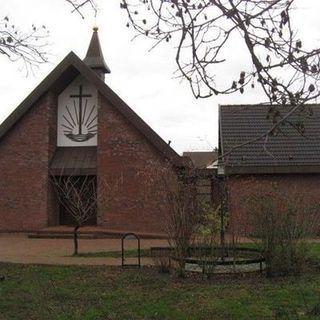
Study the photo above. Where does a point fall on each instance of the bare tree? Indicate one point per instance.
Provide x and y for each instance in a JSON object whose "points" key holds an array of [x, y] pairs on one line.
{"points": [[202, 31], [181, 212], [182, 221], [80, 198], [78, 5], [30, 47]]}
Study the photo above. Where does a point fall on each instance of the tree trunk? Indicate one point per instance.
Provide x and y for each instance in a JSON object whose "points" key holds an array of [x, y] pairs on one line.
{"points": [[75, 240]]}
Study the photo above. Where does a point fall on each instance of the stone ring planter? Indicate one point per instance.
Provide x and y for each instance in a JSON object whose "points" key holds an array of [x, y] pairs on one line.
{"points": [[235, 260]]}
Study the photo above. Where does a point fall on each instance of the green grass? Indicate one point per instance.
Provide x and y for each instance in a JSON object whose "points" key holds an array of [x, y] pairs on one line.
{"points": [[315, 251], [114, 254], [314, 248], [107, 293]]}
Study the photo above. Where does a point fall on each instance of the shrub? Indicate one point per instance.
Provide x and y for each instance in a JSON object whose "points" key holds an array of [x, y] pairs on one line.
{"points": [[183, 220], [281, 221], [161, 259]]}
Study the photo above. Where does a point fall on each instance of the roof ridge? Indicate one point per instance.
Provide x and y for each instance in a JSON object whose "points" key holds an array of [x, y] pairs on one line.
{"points": [[240, 129], [77, 66]]}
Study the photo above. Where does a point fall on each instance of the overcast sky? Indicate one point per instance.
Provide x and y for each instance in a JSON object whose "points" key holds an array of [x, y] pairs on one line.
{"points": [[144, 80]]}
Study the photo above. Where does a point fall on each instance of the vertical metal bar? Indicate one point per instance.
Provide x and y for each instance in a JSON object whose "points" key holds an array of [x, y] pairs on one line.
{"points": [[123, 249]]}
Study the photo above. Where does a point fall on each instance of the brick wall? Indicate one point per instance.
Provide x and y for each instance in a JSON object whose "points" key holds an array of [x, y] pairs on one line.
{"points": [[131, 173], [239, 187], [24, 154], [134, 171]]}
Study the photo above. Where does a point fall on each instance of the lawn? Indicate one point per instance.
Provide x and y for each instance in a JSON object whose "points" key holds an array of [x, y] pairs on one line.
{"points": [[314, 252], [52, 292]]}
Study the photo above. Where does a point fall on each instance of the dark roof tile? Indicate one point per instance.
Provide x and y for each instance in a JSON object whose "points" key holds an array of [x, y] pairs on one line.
{"points": [[94, 57], [68, 69], [80, 160], [240, 124], [201, 159]]}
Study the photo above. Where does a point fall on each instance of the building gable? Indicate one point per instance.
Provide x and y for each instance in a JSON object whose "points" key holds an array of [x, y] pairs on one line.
{"points": [[74, 126], [70, 68]]}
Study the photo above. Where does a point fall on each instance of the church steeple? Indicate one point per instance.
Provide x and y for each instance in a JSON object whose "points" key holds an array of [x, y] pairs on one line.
{"points": [[94, 57]]}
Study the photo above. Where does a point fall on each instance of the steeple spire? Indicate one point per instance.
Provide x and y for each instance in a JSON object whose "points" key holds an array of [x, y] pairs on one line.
{"points": [[94, 57]]}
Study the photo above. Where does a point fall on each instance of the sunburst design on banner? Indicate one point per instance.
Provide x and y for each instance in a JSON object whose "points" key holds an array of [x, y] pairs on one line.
{"points": [[80, 121]]}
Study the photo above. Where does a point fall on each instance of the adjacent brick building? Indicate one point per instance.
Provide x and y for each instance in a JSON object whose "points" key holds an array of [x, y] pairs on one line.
{"points": [[288, 160], [74, 124]]}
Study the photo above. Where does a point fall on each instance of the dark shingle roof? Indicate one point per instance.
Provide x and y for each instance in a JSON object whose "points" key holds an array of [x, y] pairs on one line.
{"points": [[286, 152], [201, 159], [70, 160], [67, 70], [94, 57]]}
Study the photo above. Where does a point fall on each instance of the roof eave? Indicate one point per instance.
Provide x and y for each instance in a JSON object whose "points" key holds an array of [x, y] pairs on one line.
{"points": [[49, 83], [77, 66], [267, 170]]}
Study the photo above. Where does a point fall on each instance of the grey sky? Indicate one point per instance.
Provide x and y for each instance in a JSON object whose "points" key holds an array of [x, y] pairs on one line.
{"points": [[144, 80]]}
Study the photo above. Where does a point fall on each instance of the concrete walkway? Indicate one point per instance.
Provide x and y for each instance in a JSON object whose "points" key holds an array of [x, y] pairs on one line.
{"points": [[18, 248]]}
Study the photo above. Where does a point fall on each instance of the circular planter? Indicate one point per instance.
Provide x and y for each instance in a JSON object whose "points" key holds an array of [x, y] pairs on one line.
{"points": [[208, 260]]}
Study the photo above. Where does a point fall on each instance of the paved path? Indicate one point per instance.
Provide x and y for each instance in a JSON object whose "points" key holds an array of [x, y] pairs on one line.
{"points": [[18, 248]]}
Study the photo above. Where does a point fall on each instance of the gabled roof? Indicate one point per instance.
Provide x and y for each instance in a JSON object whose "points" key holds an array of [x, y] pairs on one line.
{"points": [[286, 152], [201, 159], [67, 70]]}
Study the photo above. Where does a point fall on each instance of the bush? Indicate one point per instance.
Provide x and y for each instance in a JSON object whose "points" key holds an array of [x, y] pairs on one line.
{"points": [[281, 221], [183, 220], [161, 259]]}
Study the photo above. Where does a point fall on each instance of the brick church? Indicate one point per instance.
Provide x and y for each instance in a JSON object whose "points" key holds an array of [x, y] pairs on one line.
{"points": [[73, 124]]}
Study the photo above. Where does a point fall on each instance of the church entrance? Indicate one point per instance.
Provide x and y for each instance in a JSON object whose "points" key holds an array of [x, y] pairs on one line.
{"points": [[77, 198]]}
